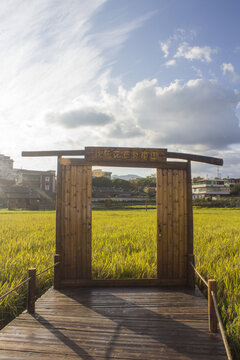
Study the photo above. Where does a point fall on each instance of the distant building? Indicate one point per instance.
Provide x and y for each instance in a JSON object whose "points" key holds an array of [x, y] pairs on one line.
{"points": [[98, 173], [232, 181], [44, 180], [6, 169], [15, 197], [210, 188], [21, 188]]}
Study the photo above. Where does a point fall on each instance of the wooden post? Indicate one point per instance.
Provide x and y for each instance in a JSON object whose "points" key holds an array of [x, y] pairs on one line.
{"points": [[56, 283], [31, 291], [191, 272], [212, 317]]}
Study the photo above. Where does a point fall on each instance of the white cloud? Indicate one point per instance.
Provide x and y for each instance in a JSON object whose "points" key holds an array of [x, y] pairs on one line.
{"points": [[198, 71], [113, 39], [80, 117], [51, 55], [125, 130], [165, 48], [195, 52], [228, 68], [171, 62], [199, 112], [179, 35], [198, 115]]}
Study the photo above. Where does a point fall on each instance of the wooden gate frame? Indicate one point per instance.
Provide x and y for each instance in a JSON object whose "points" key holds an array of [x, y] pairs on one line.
{"points": [[129, 157]]}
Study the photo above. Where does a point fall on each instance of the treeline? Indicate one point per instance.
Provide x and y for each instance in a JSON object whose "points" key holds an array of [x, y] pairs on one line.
{"points": [[139, 184]]}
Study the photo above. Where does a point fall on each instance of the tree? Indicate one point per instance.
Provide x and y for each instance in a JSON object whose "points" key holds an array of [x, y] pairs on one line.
{"points": [[102, 182], [122, 184], [141, 183], [198, 178], [235, 190]]}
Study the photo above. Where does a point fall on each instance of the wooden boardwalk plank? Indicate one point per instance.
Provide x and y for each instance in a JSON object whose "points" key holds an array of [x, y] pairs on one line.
{"points": [[113, 323]]}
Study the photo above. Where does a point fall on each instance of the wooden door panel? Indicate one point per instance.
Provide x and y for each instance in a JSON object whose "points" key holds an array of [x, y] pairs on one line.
{"points": [[172, 237], [74, 200]]}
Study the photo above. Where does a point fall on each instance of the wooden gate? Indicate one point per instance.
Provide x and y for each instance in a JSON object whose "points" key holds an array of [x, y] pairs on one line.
{"points": [[174, 211], [74, 220], [172, 223]]}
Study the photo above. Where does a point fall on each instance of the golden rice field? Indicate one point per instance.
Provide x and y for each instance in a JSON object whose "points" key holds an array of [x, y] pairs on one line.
{"points": [[123, 246]]}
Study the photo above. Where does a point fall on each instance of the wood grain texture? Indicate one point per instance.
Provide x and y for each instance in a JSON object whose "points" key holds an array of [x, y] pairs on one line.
{"points": [[172, 218], [139, 164], [194, 157], [172, 155], [212, 317], [114, 323], [123, 282], [189, 209], [58, 206], [74, 221]]}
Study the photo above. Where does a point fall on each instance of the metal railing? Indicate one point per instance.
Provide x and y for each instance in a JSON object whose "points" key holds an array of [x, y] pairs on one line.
{"points": [[214, 317], [31, 280]]}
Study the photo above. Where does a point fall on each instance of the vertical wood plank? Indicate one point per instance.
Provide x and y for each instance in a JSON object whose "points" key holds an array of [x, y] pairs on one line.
{"points": [[58, 206], [89, 222], [176, 239], [190, 212], [190, 222], [185, 192], [67, 221], [170, 223], [79, 223], [84, 225], [164, 223], [70, 222], [73, 221], [159, 201], [62, 222], [182, 238]]}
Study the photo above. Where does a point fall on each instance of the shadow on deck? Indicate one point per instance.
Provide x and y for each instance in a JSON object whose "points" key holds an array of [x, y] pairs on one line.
{"points": [[114, 323]]}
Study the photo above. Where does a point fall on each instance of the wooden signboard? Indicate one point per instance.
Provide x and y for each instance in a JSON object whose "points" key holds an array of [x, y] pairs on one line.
{"points": [[117, 154]]}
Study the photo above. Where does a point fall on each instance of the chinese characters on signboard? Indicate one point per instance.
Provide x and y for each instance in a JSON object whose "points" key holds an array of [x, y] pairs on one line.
{"points": [[125, 154]]}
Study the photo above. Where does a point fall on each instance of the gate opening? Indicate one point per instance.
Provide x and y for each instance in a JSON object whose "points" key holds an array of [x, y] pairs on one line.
{"points": [[124, 226]]}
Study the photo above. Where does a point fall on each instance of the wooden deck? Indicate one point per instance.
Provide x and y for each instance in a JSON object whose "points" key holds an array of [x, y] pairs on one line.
{"points": [[113, 323]]}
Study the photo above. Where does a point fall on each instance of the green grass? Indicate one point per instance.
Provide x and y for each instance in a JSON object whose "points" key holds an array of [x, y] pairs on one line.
{"points": [[124, 245]]}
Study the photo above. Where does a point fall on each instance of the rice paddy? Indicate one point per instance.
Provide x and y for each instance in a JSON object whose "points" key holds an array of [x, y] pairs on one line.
{"points": [[124, 246]]}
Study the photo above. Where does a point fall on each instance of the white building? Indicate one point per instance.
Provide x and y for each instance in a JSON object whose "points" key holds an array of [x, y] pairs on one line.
{"points": [[210, 188], [6, 168]]}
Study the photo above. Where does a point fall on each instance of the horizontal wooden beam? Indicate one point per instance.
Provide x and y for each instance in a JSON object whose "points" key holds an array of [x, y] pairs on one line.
{"points": [[170, 155], [131, 164], [124, 282], [198, 158], [53, 153]]}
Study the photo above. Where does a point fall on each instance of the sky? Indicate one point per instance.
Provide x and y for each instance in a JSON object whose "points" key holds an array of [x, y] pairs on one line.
{"points": [[138, 73]]}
